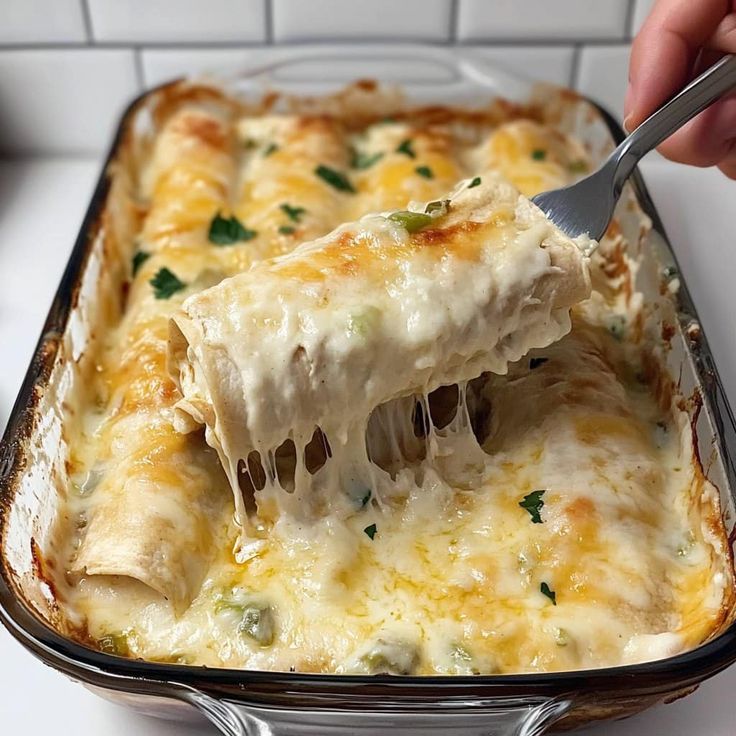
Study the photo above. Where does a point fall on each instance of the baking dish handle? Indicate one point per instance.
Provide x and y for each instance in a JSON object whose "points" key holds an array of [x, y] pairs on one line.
{"points": [[503, 716], [407, 65]]}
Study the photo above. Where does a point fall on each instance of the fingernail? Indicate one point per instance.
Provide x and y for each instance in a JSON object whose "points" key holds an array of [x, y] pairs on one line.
{"points": [[628, 103], [627, 123]]}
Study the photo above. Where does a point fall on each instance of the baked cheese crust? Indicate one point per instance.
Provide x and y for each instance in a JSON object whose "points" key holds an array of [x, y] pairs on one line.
{"points": [[563, 523]]}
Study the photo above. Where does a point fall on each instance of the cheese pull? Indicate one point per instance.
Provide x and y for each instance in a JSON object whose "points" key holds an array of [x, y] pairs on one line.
{"points": [[291, 363]]}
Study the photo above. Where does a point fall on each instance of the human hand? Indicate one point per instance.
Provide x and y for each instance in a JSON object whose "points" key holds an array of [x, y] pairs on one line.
{"points": [[679, 40]]}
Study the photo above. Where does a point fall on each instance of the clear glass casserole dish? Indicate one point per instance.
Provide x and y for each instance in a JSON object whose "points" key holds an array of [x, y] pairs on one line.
{"points": [[240, 702]]}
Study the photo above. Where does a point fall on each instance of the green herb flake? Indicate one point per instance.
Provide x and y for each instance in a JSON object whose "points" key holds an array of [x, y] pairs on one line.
{"points": [[269, 149], [258, 623], [165, 284], [578, 167], [424, 171], [116, 644], [138, 260], [405, 147], [286, 230], [441, 206], [365, 499], [474, 183], [249, 144], [546, 590], [533, 503], [228, 231], [363, 322], [410, 221], [539, 154], [334, 179], [617, 326], [364, 160], [536, 362], [293, 213], [669, 272], [371, 530]]}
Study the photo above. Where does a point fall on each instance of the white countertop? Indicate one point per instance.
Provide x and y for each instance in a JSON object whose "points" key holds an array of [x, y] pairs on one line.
{"points": [[42, 202]]}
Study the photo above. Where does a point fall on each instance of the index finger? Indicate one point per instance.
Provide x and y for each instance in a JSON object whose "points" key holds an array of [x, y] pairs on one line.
{"points": [[665, 50]]}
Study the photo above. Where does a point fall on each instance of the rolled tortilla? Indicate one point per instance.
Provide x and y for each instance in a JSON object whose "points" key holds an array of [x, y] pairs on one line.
{"points": [[161, 501], [155, 518], [369, 313]]}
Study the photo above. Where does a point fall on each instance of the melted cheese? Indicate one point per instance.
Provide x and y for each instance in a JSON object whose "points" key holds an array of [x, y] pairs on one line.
{"points": [[444, 575], [322, 336]]}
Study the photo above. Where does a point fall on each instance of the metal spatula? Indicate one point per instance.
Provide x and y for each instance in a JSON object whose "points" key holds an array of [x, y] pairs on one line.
{"points": [[587, 206]]}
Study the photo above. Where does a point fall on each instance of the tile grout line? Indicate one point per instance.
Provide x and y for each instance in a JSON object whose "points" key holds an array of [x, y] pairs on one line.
{"points": [[575, 66], [268, 17], [139, 71], [87, 20], [629, 27], [535, 41], [454, 17], [213, 45], [131, 44]]}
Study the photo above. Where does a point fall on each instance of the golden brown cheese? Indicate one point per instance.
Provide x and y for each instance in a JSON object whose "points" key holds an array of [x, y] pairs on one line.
{"points": [[400, 164], [447, 578]]}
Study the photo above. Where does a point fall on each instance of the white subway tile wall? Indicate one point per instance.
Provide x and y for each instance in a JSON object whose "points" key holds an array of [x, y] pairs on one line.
{"points": [[603, 75], [41, 21], [509, 20], [63, 100], [177, 21], [68, 67], [325, 20], [642, 9]]}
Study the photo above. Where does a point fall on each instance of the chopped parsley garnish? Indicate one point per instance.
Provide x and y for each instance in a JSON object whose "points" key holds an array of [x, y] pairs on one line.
{"points": [[371, 530], [424, 171], [227, 231], [405, 148], [539, 154], [474, 183], [286, 230], [139, 259], [546, 590], [365, 160], [437, 206], [536, 362], [533, 503], [269, 149], [334, 178], [578, 167], [410, 221], [669, 271], [366, 498], [165, 284], [617, 326], [293, 213]]}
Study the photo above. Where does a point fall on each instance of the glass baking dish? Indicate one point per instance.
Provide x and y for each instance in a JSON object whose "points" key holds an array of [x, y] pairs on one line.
{"points": [[250, 702]]}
